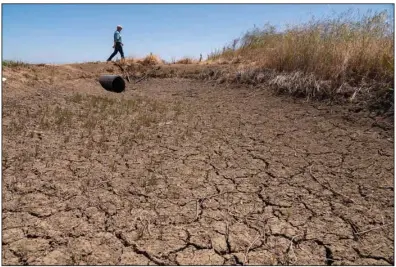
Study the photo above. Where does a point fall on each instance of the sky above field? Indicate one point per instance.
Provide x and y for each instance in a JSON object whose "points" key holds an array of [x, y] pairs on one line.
{"points": [[55, 33]]}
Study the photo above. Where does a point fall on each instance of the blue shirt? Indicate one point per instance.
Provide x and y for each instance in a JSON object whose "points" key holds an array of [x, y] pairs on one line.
{"points": [[117, 37]]}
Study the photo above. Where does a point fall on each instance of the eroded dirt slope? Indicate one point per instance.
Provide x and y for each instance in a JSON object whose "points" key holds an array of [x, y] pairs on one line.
{"points": [[175, 171]]}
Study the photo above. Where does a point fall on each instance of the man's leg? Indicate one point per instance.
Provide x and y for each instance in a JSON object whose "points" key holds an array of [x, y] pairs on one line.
{"points": [[122, 53], [114, 53]]}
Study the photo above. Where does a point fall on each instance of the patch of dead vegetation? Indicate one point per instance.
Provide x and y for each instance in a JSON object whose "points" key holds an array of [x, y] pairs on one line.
{"points": [[185, 60]]}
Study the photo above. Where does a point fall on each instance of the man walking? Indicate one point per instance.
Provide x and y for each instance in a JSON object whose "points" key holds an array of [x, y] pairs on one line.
{"points": [[117, 44]]}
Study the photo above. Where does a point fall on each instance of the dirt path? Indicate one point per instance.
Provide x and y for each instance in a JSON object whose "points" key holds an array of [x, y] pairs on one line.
{"points": [[184, 172]]}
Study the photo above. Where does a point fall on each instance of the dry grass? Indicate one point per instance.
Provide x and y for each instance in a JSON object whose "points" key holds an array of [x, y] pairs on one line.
{"points": [[14, 64], [90, 114], [353, 49], [98, 119], [150, 60], [185, 60]]}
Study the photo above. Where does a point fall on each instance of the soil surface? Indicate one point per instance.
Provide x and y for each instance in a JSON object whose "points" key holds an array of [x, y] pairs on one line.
{"points": [[188, 172]]}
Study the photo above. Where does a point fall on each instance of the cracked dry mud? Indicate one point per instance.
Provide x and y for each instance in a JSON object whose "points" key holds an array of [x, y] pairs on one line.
{"points": [[184, 172]]}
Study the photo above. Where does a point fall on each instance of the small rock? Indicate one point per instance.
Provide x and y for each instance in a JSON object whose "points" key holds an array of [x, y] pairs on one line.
{"points": [[219, 244], [130, 237]]}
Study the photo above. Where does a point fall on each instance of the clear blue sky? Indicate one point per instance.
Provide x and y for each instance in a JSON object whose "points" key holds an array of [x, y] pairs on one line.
{"points": [[65, 33]]}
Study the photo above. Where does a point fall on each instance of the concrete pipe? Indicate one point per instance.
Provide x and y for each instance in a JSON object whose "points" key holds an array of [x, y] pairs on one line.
{"points": [[113, 83]]}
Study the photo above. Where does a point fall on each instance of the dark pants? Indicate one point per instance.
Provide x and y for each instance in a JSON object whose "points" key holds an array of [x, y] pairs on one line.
{"points": [[117, 48]]}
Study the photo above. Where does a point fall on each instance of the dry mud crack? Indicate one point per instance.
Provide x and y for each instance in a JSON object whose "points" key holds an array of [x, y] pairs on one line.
{"points": [[189, 173]]}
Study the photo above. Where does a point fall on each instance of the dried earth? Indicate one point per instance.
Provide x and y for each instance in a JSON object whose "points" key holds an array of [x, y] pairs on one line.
{"points": [[185, 172]]}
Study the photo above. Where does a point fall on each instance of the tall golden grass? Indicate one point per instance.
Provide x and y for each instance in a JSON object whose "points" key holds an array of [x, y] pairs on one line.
{"points": [[151, 60], [148, 60], [348, 48]]}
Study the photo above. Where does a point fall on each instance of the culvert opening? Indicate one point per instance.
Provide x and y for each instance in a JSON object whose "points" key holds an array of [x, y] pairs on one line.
{"points": [[118, 85]]}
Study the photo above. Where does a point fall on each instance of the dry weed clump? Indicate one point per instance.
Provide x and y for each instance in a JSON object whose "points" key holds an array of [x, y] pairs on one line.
{"points": [[347, 50], [150, 60], [300, 85], [185, 60], [222, 61], [130, 60]]}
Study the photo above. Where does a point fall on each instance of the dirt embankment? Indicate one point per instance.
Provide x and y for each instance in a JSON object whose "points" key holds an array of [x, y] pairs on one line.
{"points": [[375, 102]]}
